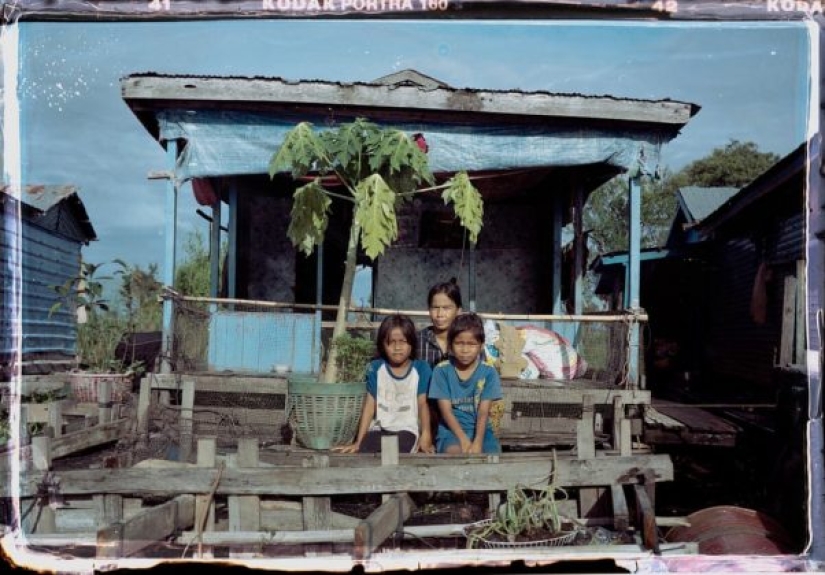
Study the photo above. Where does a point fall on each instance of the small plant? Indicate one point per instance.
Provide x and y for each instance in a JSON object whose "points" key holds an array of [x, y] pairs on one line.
{"points": [[526, 515], [354, 354], [99, 328]]}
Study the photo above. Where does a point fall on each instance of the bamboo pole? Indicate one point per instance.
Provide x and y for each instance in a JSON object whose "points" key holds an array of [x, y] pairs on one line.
{"points": [[641, 317]]}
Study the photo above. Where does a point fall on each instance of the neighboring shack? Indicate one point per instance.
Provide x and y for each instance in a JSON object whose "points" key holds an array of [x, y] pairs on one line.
{"points": [[42, 235], [727, 291]]}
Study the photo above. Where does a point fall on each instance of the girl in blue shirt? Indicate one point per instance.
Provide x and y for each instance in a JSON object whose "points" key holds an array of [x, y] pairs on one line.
{"points": [[396, 401], [465, 387]]}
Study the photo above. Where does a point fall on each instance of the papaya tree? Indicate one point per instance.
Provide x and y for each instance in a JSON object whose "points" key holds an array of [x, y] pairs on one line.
{"points": [[380, 167]]}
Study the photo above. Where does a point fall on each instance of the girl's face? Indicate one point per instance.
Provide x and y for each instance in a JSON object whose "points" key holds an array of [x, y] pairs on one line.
{"points": [[397, 348], [442, 312], [465, 348]]}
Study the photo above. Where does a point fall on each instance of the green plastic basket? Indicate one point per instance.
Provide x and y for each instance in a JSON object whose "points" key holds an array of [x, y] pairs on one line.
{"points": [[323, 415]]}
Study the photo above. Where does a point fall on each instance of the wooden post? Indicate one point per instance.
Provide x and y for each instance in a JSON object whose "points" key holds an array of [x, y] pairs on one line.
{"points": [[622, 440], [383, 522], [586, 449], [800, 349], [204, 506], [144, 399], [245, 510], [494, 497], [621, 515], [56, 418], [317, 510], [646, 519], [42, 461], [104, 402], [187, 405], [389, 455], [109, 509]]}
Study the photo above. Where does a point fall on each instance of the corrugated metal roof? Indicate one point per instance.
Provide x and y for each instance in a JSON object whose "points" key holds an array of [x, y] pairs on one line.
{"points": [[41, 201], [408, 77], [698, 203]]}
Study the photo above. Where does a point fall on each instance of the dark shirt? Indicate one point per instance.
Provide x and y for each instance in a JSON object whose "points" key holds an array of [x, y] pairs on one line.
{"points": [[428, 348]]}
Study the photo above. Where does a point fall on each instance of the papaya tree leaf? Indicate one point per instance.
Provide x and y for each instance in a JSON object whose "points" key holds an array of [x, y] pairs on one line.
{"points": [[309, 217], [301, 151], [467, 203], [375, 214]]}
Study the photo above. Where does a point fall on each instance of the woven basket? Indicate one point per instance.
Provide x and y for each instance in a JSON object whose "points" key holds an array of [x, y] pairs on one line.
{"points": [[84, 386], [563, 538], [323, 415]]}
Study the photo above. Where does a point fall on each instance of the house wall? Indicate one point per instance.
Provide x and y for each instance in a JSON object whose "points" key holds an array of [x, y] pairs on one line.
{"points": [[737, 348], [513, 261], [39, 259]]}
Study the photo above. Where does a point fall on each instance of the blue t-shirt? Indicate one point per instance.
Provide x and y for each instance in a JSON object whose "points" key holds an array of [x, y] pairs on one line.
{"points": [[396, 398], [465, 396]]}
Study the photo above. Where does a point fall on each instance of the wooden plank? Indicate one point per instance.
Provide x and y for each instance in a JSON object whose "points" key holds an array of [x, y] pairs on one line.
{"points": [[381, 523], [86, 438], [788, 322], [621, 515], [317, 510], [104, 405], [187, 403], [389, 455], [516, 105], [800, 339], [695, 418], [204, 502], [308, 482], [144, 399], [646, 519], [586, 449], [248, 506], [43, 513], [153, 524]]}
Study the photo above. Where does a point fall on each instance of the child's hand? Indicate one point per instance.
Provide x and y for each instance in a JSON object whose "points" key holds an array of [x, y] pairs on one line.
{"points": [[425, 444], [475, 447], [466, 445], [351, 448]]}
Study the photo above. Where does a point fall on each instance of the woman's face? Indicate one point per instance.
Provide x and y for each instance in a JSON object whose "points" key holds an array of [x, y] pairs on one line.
{"points": [[442, 312]]}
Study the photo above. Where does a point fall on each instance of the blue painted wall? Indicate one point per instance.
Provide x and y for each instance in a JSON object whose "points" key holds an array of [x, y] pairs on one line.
{"points": [[42, 259], [255, 342]]}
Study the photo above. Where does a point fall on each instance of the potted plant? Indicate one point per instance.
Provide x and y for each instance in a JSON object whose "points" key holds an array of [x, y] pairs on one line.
{"points": [[379, 167], [527, 518], [98, 332]]}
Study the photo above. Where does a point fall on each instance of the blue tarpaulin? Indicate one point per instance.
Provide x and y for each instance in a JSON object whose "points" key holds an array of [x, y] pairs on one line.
{"points": [[219, 143]]}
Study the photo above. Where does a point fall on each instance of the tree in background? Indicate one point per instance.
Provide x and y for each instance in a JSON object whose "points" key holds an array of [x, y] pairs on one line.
{"points": [[733, 165], [139, 293], [192, 276]]}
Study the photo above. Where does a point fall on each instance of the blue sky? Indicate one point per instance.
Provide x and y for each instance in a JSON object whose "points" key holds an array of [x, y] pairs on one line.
{"points": [[751, 81]]}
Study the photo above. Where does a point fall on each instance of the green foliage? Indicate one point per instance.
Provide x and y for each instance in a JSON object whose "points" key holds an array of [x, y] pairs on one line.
{"points": [[353, 357], [310, 216], [84, 291], [526, 514], [606, 214], [379, 167], [733, 165], [140, 292], [192, 276]]}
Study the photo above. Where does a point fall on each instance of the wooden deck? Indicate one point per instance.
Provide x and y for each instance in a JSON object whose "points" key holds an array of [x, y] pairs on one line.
{"points": [[671, 423]]}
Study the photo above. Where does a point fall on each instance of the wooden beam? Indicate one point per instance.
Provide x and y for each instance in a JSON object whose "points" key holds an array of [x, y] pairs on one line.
{"points": [[382, 523], [301, 482], [621, 515], [788, 322], [125, 538], [91, 437], [646, 519], [245, 510], [533, 107]]}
